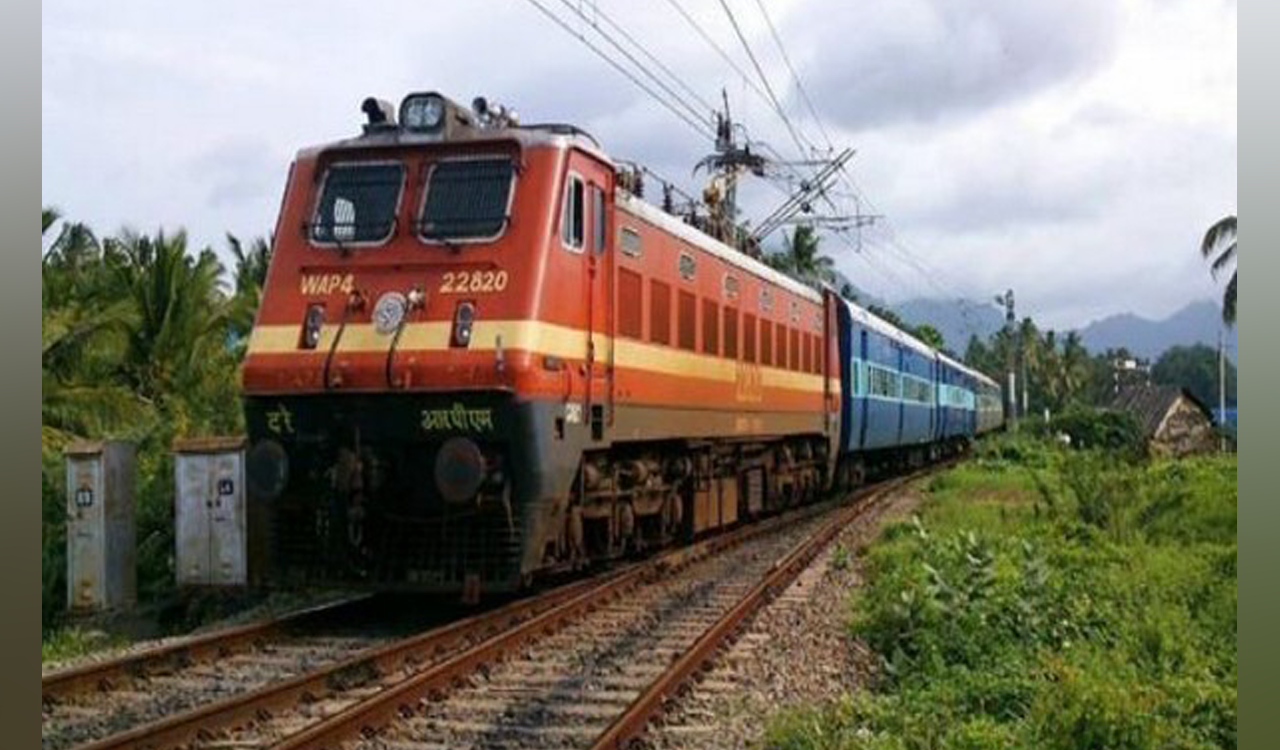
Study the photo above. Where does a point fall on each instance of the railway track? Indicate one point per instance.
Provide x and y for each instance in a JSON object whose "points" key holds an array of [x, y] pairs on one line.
{"points": [[588, 664]]}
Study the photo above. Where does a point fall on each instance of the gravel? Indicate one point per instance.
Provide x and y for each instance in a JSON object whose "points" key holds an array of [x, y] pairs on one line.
{"points": [[798, 651]]}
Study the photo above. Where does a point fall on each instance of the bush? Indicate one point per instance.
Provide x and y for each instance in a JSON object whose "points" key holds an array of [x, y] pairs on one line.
{"points": [[1101, 430], [1086, 602]]}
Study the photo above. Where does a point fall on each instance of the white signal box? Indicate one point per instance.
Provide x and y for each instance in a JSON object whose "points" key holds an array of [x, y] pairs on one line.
{"points": [[209, 511], [101, 556]]}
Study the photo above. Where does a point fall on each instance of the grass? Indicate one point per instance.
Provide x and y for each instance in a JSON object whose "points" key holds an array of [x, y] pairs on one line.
{"points": [[71, 642], [1052, 599]]}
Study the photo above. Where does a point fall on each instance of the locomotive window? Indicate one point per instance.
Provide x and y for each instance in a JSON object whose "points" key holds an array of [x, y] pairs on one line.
{"points": [[598, 218], [572, 230], [782, 346], [357, 203], [749, 337], [795, 350], [630, 242], [806, 348], [467, 199], [766, 342]]}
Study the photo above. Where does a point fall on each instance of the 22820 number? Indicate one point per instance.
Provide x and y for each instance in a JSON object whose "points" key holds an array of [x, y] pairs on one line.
{"points": [[473, 282]]}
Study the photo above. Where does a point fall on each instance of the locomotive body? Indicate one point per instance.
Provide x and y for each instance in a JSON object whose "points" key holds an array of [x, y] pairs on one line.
{"points": [[478, 360], [482, 358]]}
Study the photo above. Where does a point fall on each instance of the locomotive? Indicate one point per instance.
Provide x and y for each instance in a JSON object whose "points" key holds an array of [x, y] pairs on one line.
{"points": [[482, 358]]}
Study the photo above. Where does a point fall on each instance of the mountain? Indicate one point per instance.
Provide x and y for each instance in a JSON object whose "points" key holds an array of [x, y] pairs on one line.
{"points": [[1197, 323], [955, 319]]}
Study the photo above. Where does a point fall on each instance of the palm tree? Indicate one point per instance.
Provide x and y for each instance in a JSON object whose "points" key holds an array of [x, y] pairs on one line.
{"points": [[1220, 244], [803, 258]]}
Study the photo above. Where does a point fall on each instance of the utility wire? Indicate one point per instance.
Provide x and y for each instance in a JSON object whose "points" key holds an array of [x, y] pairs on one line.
{"points": [[706, 105], [777, 40], [773, 98], [700, 129], [703, 116]]}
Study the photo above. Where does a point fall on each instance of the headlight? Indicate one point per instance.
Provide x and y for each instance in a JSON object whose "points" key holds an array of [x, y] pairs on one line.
{"points": [[388, 313], [311, 325], [422, 112], [463, 317]]}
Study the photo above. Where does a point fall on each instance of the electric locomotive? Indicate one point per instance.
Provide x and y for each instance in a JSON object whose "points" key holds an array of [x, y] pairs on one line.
{"points": [[482, 358]]}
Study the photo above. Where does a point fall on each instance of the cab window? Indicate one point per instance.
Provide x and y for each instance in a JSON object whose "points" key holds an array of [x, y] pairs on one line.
{"points": [[467, 199], [572, 221], [358, 203]]}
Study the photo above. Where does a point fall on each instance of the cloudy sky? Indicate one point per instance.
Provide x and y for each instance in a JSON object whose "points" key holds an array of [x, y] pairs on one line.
{"points": [[1074, 150]]}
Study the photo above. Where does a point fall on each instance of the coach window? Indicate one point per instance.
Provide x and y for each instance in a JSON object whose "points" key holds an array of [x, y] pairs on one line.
{"points": [[598, 219], [358, 204], [572, 231]]}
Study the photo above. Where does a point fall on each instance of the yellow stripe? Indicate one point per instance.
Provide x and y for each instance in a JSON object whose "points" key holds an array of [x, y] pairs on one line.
{"points": [[546, 339]]}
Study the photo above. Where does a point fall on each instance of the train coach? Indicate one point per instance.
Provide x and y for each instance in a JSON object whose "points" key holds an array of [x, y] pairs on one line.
{"points": [[482, 358]]}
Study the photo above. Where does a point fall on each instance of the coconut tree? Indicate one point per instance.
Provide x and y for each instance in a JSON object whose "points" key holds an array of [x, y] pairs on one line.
{"points": [[1219, 246], [802, 258]]}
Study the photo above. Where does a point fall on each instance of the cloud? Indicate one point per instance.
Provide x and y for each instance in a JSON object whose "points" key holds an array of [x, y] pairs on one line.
{"points": [[923, 61], [1072, 150]]}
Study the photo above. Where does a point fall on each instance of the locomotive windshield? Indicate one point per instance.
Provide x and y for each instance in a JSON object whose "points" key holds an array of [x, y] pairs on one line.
{"points": [[358, 203], [467, 199]]}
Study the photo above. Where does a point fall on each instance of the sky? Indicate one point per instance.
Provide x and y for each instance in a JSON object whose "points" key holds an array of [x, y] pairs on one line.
{"points": [[1072, 150]]}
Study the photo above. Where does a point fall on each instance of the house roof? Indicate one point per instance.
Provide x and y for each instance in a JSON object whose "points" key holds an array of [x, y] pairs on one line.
{"points": [[1149, 404]]}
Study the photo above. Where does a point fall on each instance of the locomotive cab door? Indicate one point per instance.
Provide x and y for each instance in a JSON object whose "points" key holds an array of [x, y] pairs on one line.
{"points": [[589, 204]]}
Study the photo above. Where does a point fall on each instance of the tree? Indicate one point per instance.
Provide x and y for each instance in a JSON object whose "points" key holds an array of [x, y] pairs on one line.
{"points": [[930, 336], [1219, 243], [1196, 369], [800, 257]]}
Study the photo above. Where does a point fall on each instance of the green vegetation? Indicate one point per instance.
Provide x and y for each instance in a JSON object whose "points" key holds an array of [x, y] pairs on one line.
{"points": [[141, 339], [1219, 243], [1196, 369], [1048, 598]]}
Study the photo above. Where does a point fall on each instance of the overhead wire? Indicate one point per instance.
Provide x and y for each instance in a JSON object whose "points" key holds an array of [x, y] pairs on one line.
{"points": [[755, 63], [701, 129], [804, 94], [708, 109]]}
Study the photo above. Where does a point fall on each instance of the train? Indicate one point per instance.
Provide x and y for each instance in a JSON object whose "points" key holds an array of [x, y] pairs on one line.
{"points": [[482, 359]]}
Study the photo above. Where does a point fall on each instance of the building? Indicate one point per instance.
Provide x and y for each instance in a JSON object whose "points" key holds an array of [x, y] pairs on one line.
{"points": [[1173, 421]]}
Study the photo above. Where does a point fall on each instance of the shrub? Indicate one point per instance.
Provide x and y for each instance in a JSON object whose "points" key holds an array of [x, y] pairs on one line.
{"points": [[1106, 430], [1087, 603]]}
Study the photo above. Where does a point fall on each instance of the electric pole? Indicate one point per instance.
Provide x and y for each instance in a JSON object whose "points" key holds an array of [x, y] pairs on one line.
{"points": [[1222, 392], [1011, 396]]}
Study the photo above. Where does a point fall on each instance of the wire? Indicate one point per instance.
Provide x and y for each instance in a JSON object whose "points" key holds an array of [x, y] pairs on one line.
{"points": [[653, 58], [777, 39], [702, 117], [699, 129], [746, 80], [773, 98]]}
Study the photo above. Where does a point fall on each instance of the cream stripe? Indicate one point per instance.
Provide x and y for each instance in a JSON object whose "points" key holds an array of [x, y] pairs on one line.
{"points": [[537, 337]]}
